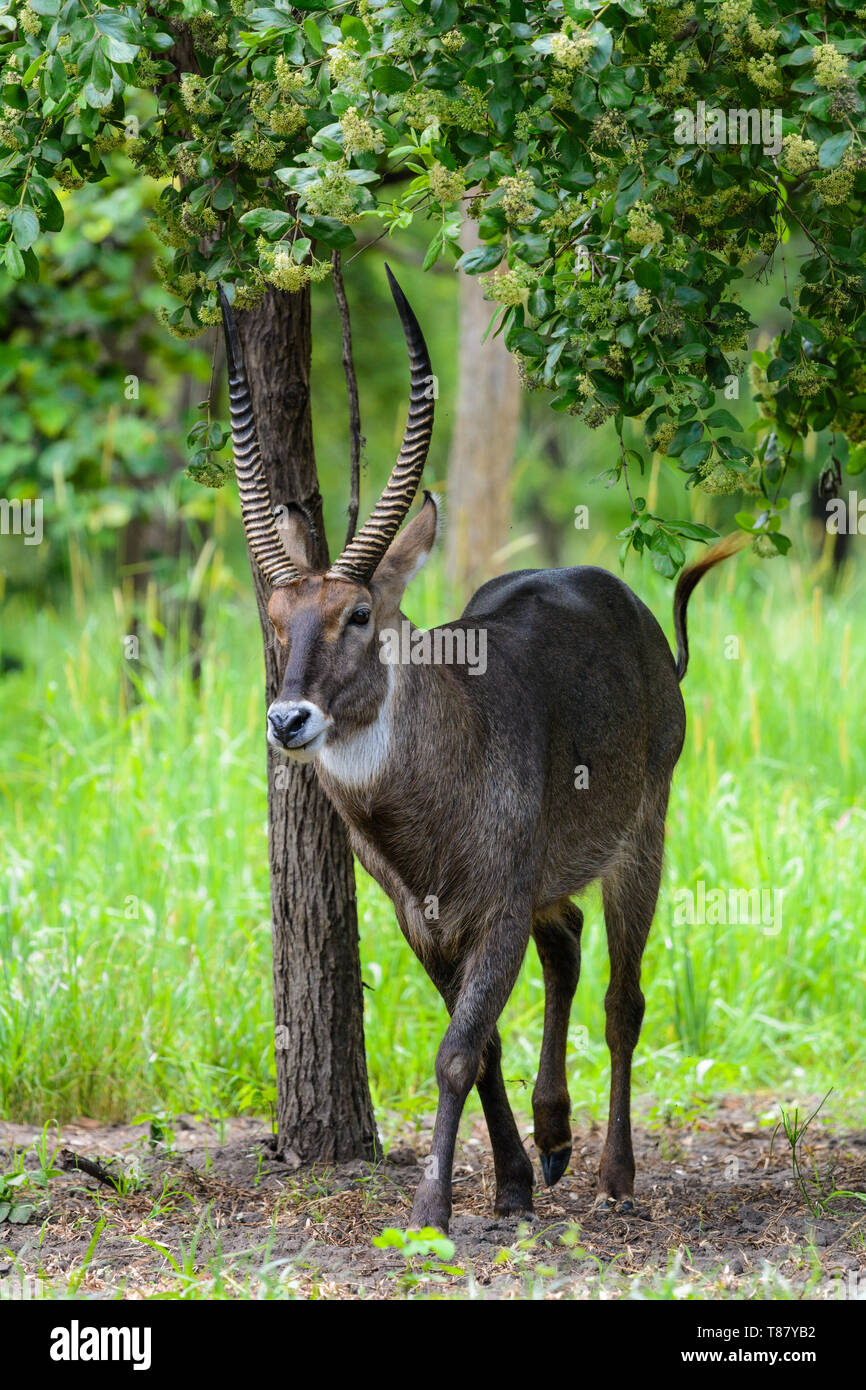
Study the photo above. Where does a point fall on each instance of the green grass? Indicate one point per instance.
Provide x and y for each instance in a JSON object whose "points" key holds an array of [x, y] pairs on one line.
{"points": [[134, 933]]}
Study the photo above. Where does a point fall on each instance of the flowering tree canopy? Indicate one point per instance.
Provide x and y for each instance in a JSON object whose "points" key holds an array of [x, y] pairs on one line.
{"points": [[631, 166]]}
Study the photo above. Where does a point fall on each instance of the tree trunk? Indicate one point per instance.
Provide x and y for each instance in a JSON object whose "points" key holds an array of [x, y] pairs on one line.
{"points": [[484, 439], [324, 1111]]}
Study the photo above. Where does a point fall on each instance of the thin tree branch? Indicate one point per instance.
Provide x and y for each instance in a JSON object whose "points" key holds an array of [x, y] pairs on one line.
{"points": [[73, 1162], [625, 474], [355, 438]]}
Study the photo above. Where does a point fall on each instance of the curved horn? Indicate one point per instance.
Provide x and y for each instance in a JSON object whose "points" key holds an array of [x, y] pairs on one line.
{"points": [[256, 510], [362, 555]]}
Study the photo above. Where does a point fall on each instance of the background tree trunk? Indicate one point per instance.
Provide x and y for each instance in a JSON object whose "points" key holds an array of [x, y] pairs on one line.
{"points": [[484, 439], [324, 1111]]}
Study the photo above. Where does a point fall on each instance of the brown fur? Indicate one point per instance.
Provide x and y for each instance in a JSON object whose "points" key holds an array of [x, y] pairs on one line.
{"points": [[472, 809], [691, 575]]}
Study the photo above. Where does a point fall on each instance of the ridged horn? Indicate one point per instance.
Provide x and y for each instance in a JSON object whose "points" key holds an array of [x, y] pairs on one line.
{"points": [[258, 516], [362, 555]]}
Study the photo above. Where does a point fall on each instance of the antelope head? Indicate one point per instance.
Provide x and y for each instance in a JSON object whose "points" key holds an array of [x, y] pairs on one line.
{"points": [[335, 685]]}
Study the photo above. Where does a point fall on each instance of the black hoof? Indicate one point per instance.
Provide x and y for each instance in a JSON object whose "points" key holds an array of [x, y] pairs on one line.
{"points": [[554, 1165], [605, 1203]]}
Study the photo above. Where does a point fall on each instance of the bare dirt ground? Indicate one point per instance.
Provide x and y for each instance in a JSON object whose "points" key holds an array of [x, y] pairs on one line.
{"points": [[720, 1213]]}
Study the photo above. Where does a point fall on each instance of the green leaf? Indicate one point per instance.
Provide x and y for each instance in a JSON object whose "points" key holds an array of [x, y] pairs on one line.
{"points": [[501, 107], [55, 77], [270, 221], [49, 205], [689, 352], [328, 230], [777, 369], [663, 562], [97, 97], [25, 227], [445, 14], [600, 56], [692, 530], [531, 248], [120, 52], [648, 275], [115, 25], [224, 195], [433, 252], [684, 436], [832, 150], [100, 70], [695, 455], [627, 197], [688, 295], [723, 420], [616, 92], [609, 389], [391, 1238], [632, 456], [798, 58], [298, 178], [314, 37], [856, 460], [524, 340], [541, 304], [386, 78], [480, 259], [34, 68], [354, 28]]}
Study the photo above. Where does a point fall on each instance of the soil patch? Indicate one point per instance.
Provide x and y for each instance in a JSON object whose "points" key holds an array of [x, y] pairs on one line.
{"points": [[215, 1213]]}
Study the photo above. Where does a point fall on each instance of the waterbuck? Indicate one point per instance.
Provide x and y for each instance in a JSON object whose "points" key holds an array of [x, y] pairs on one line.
{"points": [[481, 802]]}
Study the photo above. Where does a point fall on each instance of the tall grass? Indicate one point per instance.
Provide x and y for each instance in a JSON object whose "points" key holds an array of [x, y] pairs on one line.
{"points": [[134, 933]]}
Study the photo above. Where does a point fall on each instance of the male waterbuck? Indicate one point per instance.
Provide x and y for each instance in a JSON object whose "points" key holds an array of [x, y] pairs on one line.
{"points": [[481, 802]]}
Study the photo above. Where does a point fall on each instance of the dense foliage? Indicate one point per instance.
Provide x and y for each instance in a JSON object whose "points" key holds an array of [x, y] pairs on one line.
{"points": [[627, 164], [91, 385]]}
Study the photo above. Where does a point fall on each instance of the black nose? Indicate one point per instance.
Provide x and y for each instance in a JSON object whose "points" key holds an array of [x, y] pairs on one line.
{"points": [[287, 726]]}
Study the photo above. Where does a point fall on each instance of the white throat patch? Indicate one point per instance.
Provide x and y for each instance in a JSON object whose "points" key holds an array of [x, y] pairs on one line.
{"points": [[359, 760]]}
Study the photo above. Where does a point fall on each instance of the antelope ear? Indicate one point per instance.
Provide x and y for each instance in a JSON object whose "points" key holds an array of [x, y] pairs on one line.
{"points": [[297, 534], [408, 552]]}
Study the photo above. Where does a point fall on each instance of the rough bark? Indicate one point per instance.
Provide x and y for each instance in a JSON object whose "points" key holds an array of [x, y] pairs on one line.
{"points": [[484, 440], [324, 1111]]}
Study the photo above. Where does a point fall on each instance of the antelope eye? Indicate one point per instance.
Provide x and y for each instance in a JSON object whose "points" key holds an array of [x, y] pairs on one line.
{"points": [[360, 617]]}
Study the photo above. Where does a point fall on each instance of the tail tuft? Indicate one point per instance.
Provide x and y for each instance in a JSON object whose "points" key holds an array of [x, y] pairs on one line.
{"points": [[692, 575]]}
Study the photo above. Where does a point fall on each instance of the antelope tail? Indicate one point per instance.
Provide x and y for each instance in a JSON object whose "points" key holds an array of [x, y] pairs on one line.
{"points": [[692, 575]]}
